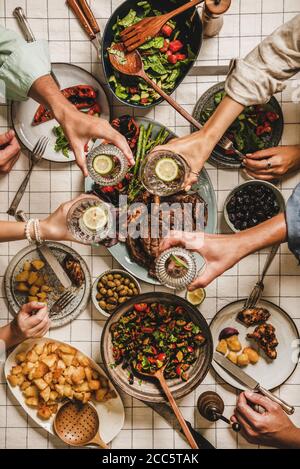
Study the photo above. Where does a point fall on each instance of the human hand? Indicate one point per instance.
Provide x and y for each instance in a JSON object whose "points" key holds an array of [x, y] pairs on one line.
{"points": [[273, 163], [220, 252], [9, 151], [271, 428], [195, 149], [31, 321], [54, 227], [80, 128]]}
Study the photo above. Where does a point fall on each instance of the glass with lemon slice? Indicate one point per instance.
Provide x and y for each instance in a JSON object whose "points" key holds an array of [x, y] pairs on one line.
{"points": [[107, 165], [164, 173], [90, 220]]}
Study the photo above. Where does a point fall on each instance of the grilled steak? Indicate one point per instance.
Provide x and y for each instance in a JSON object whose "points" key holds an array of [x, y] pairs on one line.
{"points": [[253, 316], [144, 250], [264, 336]]}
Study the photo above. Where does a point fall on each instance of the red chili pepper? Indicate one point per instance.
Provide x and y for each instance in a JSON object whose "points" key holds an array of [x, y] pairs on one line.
{"points": [[179, 309], [175, 46], [147, 330], [272, 116], [161, 357], [140, 307], [166, 30]]}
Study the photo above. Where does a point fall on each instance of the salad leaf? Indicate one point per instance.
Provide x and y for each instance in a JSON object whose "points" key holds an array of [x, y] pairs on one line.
{"points": [[155, 43], [118, 53], [121, 91], [155, 64], [61, 144], [129, 19]]}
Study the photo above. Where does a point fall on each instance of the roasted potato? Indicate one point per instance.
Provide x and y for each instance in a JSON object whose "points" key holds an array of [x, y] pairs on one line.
{"points": [[37, 264]]}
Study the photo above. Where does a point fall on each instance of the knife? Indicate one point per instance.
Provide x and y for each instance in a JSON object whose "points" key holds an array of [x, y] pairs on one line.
{"points": [[86, 18], [208, 70], [49, 257], [245, 379], [27, 31], [166, 412]]}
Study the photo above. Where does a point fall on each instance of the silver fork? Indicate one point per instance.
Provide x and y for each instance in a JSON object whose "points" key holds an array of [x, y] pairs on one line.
{"points": [[35, 156], [62, 302], [258, 289]]}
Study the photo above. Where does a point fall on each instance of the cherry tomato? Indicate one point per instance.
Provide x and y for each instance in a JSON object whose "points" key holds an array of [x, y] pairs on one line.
{"points": [[161, 357], [165, 46], [172, 59], [178, 370], [166, 30], [175, 46], [140, 307]]}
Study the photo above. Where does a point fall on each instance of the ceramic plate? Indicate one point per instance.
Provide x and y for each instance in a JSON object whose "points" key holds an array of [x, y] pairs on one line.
{"points": [[149, 390], [22, 112], [81, 295], [218, 157], [111, 413], [269, 373], [205, 189]]}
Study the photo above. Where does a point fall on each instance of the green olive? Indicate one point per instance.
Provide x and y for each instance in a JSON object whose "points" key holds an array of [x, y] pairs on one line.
{"points": [[104, 280], [112, 301], [98, 296], [120, 288], [103, 291], [110, 277], [102, 304], [130, 292], [110, 307], [126, 281], [132, 285], [122, 299], [117, 276], [111, 284], [117, 283], [110, 293], [135, 291]]}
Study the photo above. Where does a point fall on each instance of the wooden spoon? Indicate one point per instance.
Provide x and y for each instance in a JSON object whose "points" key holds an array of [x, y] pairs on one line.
{"points": [[159, 375], [78, 425], [131, 64], [139, 33]]}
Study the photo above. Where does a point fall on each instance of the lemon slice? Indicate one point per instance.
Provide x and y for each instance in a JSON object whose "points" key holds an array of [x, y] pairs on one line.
{"points": [[166, 169], [103, 164], [95, 218], [196, 297]]}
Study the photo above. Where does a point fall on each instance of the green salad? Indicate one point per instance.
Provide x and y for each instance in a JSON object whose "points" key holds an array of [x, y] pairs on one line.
{"points": [[165, 58]]}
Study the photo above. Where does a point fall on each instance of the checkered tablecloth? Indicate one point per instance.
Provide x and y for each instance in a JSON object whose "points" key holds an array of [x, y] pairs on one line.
{"points": [[246, 23]]}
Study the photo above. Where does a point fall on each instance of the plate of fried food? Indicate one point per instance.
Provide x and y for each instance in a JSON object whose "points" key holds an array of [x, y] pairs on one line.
{"points": [[28, 278], [263, 341], [43, 373]]}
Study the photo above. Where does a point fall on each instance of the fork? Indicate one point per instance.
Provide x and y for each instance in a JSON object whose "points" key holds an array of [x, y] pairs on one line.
{"points": [[35, 156], [137, 34], [258, 289], [62, 302]]}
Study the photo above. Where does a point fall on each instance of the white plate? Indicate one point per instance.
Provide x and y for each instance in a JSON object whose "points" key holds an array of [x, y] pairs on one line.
{"points": [[22, 112], [269, 373], [111, 413]]}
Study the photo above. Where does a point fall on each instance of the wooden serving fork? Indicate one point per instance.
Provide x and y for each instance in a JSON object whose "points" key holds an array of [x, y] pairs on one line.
{"points": [[141, 32]]}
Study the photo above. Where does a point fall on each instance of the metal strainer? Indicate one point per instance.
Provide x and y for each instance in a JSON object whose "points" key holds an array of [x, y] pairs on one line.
{"points": [[78, 425]]}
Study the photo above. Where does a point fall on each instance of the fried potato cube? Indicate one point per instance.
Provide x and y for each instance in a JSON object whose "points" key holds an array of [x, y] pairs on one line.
{"points": [[83, 360], [88, 373], [34, 290], [27, 266], [48, 377], [20, 357], [232, 356], [83, 387], [86, 397], [68, 391], [52, 347], [94, 384], [67, 349], [22, 276], [53, 408], [100, 394], [233, 343], [38, 264], [53, 395], [32, 298], [25, 385], [16, 370], [40, 370], [22, 287], [222, 347], [50, 360], [61, 380], [79, 396], [32, 278], [61, 365], [27, 367], [78, 375], [39, 282], [31, 391], [32, 401], [57, 374], [67, 359], [32, 356], [42, 296], [45, 394], [40, 384], [46, 288], [21, 379], [38, 348], [44, 412], [13, 380]]}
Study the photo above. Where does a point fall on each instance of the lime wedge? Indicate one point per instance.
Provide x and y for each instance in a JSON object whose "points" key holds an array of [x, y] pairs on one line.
{"points": [[166, 169], [179, 262], [103, 164], [196, 297], [95, 218]]}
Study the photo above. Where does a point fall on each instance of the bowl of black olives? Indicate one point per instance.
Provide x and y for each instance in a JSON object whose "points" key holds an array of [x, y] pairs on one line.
{"points": [[252, 203]]}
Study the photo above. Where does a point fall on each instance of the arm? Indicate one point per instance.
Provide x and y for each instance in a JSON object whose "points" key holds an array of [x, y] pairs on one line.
{"points": [[271, 428], [221, 252]]}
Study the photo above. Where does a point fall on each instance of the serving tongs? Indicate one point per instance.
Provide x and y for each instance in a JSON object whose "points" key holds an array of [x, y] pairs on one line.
{"points": [[86, 18]]}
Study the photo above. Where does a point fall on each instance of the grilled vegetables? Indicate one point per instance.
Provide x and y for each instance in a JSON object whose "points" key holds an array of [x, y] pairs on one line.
{"points": [[264, 336], [74, 270], [252, 316]]}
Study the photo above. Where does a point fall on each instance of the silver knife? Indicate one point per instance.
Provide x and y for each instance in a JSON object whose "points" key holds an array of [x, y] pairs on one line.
{"points": [[208, 70], [49, 257], [166, 413], [248, 381], [27, 31]]}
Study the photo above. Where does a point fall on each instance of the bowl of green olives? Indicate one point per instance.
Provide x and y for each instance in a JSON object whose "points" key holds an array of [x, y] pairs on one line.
{"points": [[113, 288]]}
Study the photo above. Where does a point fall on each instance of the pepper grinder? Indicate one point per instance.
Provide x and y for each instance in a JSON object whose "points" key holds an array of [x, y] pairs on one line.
{"points": [[211, 407], [212, 16]]}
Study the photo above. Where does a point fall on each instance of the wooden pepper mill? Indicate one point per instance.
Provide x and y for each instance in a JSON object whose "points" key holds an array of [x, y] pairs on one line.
{"points": [[211, 407], [212, 16]]}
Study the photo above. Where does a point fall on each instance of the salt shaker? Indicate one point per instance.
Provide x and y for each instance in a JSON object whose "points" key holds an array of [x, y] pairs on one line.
{"points": [[212, 16]]}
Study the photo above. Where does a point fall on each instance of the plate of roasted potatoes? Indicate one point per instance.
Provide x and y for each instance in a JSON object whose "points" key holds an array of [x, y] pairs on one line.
{"points": [[44, 373], [28, 278]]}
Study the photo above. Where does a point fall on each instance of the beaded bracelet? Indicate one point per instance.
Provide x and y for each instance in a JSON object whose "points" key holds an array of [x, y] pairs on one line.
{"points": [[27, 230], [37, 231]]}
